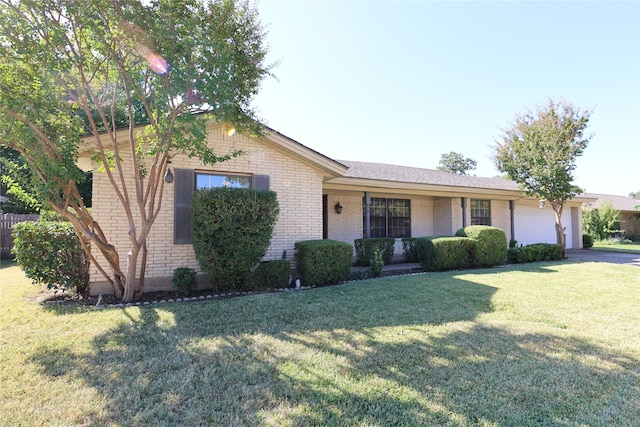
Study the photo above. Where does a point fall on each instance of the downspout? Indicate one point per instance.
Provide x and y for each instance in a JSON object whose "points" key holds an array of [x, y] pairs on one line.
{"points": [[367, 216], [512, 211], [464, 212]]}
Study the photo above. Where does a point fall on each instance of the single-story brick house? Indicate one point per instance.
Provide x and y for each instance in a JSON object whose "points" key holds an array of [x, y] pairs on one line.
{"points": [[324, 198], [629, 215]]}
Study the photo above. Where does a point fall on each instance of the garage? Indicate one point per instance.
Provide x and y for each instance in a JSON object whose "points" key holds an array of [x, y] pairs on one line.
{"points": [[536, 225]]}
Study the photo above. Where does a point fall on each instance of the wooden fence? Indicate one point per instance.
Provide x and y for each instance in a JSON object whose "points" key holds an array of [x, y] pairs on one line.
{"points": [[7, 221]]}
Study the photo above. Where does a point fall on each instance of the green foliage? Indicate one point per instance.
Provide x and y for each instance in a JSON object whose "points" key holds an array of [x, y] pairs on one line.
{"points": [[53, 216], [587, 241], [534, 253], [456, 163], [184, 280], [23, 188], [232, 229], [440, 253], [635, 195], [321, 262], [539, 152], [425, 251], [96, 66], [491, 244], [365, 249], [513, 243], [377, 263], [50, 253], [452, 253], [602, 222], [411, 248], [272, 274]]}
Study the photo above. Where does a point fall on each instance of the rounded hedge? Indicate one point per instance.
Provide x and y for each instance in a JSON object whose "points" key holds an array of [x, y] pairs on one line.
{"points": [[490, 242]]}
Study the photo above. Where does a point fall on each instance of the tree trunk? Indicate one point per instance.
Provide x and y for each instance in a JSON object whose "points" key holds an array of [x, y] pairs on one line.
{"points": [[560, 236], [130, 284]]}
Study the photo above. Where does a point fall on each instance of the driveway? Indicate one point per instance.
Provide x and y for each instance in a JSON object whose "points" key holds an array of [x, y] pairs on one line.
{"points": [[600, 256]]}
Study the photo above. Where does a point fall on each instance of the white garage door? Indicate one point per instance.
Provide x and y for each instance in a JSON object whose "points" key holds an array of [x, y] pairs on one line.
{"points": [[535, 225]]}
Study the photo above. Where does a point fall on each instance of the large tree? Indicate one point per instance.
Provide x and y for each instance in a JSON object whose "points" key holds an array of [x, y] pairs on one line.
{"points": [[539, 152], [456, 163], [80, 70]]}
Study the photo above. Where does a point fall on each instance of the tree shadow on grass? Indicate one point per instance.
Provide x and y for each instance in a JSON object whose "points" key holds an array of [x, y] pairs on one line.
{"points": [[405, 351]]}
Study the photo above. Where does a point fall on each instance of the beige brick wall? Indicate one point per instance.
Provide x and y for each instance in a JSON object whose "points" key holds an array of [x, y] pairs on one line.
{"points": [[347, 226], [447, 214], [630, 223], [501, 216], [297, 184]]}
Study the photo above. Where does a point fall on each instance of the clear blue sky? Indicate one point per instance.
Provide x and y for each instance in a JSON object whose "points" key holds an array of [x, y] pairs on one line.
{"points": [[404, 82]]}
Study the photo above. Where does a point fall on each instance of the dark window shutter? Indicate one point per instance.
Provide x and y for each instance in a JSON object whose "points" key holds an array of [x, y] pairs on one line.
{"points": [[184, 185], [260, 182]]}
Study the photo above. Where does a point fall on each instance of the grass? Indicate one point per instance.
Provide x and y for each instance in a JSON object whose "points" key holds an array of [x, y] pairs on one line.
{"points": [[539, 344], [607, 246]]}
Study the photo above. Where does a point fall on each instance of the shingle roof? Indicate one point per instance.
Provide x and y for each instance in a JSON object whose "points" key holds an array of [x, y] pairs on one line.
{"points": [[395, 173], [620, 203]]}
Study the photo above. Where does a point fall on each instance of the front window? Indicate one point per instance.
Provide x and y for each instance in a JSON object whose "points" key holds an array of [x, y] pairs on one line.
{"points": [[205, 180], [390, 217], [480, 212]]}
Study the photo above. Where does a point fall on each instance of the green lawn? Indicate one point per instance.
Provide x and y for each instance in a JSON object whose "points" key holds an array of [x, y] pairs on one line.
{"points": [[626, 248], [539, 344]]}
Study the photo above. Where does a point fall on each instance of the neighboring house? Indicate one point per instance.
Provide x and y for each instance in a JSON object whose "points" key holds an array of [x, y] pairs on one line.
{"points": [[629, 215], [324, 198]]}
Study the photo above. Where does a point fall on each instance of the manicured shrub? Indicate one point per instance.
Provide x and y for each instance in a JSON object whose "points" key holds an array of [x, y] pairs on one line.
{"points": [[535, 253], [410, 250], [452, 253], [425, 251], [365, 247], [272, 274], [587, 241], [185, 280], [321, 262], [491, 244], [232, 229], [51, 253], [377, 263]]}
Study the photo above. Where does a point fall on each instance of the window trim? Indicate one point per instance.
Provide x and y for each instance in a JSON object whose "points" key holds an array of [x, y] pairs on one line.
{"points": [[477, 219], [388, 210]]}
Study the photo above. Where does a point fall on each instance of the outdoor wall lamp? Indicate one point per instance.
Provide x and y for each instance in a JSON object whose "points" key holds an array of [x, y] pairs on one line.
{"points": [[168, 176], [338, 208], [541, 204]]}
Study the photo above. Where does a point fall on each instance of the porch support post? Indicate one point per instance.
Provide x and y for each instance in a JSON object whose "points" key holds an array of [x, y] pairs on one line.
{"points": [[512, 211], [367, 214], [464, 211]]}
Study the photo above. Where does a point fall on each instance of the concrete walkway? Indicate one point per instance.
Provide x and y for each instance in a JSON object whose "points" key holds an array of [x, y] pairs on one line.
{"points": [[601, 256]]}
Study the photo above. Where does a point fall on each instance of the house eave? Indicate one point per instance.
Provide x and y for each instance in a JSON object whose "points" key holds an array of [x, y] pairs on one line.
{"points": [[422, 189]]}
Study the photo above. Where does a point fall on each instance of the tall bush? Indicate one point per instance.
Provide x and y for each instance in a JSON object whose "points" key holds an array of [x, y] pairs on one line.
{"points": [[490, 242], [51, 253], [602, 222], [365, 249], [232, 229], [321, 262]]}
